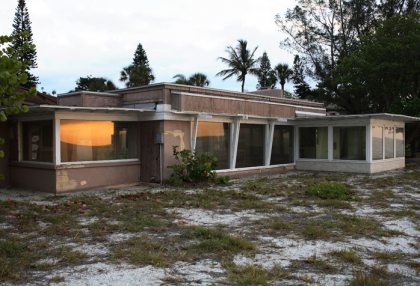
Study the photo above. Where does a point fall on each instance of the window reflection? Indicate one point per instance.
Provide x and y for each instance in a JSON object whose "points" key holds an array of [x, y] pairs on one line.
{"points": [[250, 146], [399, 134], [313, 142], [213, 138], [282, 150], [349, 143], [97, 140], [377, 143]]}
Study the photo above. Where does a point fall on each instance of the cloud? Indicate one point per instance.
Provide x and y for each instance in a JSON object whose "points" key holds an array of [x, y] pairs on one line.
{"points": [[78, 38]]}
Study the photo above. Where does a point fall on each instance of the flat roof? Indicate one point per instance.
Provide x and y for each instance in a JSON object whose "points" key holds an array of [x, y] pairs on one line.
{"points": [[90, 109], [384, 116]]}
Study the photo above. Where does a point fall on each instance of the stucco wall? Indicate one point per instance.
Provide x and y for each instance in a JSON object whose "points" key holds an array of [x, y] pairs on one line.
{"points": [[78, 177], [176, 133], [350, 167], [38, 177], [149, 150]]}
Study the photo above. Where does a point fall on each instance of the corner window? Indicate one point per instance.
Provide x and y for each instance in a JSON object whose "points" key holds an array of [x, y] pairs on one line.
{"points": [[213, 138], [399, 142], [313, 142], [37, 137], [98, 140], [349, 143]]}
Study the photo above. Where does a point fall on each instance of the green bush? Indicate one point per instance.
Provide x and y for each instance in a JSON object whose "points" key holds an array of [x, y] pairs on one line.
{"points": [[331, 191], [192, 168]]}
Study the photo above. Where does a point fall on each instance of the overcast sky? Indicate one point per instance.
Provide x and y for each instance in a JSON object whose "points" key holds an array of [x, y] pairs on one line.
{"points": [[98, 37]]}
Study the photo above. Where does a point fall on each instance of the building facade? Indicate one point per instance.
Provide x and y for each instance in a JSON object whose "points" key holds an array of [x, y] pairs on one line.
{"points": [[93, 139]]}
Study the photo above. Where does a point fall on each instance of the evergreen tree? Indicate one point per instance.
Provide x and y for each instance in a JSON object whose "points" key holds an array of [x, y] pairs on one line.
{"points": [[302, 89], [21, 23], [94, 84], [266, 76], [140, 57]]}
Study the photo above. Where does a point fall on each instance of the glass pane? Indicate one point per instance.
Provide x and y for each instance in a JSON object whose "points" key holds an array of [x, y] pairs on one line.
{"points": [[377, 147], [389, 142], [282, 150], [97, 140], [213, 138], [399, 134], [250, 146], [313, 142], [349, 143], [37, 141]]}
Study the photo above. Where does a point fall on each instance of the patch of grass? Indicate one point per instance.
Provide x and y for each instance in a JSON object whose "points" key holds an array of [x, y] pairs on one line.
{"points": [[54, 198], [365, 279], [415, 265], [217, 241], [380, 183], [354, 225], [385, 255], [338, 204], [17, 256], [71, 256], [145, 250], [404, 213], [347, 255], [57, 279], [318, 230], [332, 190], [276, 223], [380, 195], [254, 274], [139, 221], [320, 263], [257, 205], [382, 272], [280, 209]]}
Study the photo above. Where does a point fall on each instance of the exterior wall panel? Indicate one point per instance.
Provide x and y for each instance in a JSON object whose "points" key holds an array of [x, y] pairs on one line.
{"points": [[149, 151], [93, 100]]}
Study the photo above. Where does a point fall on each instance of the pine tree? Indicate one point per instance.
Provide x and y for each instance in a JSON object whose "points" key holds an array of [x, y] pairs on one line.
{"points": [[140, 57], [302, 89], [266, 76], [21, 23]]}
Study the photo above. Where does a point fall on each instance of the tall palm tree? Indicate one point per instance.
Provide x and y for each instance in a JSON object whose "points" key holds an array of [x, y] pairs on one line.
{"points": [[197, 79], [241, 61], [137, 75], [283, 73]]}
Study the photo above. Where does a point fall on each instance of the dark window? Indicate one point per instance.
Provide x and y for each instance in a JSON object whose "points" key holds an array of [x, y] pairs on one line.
{"points": [[38, 140], [282, 150]]}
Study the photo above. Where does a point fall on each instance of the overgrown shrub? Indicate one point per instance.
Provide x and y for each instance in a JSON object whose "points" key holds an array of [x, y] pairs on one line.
{"points": [[194, 168], [325, 191]]}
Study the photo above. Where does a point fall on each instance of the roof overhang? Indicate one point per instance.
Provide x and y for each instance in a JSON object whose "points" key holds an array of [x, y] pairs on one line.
{"points": [[237, 116], [383, 116], [91, 109]]}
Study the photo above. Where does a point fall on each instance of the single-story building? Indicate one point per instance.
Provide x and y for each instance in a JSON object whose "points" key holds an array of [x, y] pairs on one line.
{"points": [[92, 139]]}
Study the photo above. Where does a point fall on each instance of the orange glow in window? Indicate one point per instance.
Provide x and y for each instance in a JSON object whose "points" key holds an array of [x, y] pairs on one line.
{"points": [[86, 133]]}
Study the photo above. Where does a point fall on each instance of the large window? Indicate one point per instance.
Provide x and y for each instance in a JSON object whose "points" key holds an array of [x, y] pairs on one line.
{"points": [[250, 146], [37, 137], [98, 140], [389, 142], [213, 138], [282, 150], [399, 136], [349, 143], [377, 143], [313, 142]]}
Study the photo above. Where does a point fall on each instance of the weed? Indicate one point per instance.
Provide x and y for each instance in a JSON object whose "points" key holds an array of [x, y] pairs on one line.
{"points": [[353, 225], [317, 230], [217, 241], [331, 191], [71, 256], [57, 279], [404, 213], [338, 204], [276, 223], [364, 279], [385, 255], [319, 263], [254, 275], [347, 255]]}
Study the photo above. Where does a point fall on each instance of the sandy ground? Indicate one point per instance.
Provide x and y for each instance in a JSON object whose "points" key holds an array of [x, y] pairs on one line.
{"points": [[286, 249]]}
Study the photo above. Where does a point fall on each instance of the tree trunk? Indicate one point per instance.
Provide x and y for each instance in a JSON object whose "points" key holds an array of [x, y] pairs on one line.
{"points": [[243, 84], [282, 91]]}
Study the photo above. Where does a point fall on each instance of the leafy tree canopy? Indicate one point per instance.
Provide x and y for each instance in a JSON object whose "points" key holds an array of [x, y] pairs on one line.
{"points": [[196, 79], [240, 61], [137, 75], [266, 76], [21, 24], [12, 75], [140, 57], [94, 84]]}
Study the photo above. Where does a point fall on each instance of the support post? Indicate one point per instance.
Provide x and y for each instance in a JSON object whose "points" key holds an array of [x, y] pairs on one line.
{"points": [[234, 145], [57, 144], [330, 143], [194, 137], [269, 143]]}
